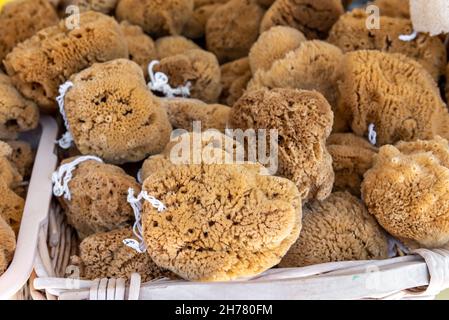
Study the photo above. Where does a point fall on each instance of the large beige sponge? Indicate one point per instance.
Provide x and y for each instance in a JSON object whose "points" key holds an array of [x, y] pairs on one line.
{"points": [[104, 255], [392, 92], [156, 17], [337, 229], [17, 114], [407, 191], [314, 18], [173, 45], [113, 115], [272, 45], [314, 65], [233, 28], [98, 201], [349, 33], [221, 222], [303, 120], [21, 19], [39, 65]]}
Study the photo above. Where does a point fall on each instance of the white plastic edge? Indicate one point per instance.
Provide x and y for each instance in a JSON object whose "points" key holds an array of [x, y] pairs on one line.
{"points": [[35, 213]]}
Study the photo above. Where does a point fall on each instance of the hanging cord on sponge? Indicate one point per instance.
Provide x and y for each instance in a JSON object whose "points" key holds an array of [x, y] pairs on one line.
{"points": [[159, 82], [66, 140], [136, 205], [64, 174]]}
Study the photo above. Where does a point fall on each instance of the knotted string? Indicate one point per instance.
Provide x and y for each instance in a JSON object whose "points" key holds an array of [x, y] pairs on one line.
{"points": [[66, 140], [159, 82], [372, 134], [64, 174], [136, 205]]}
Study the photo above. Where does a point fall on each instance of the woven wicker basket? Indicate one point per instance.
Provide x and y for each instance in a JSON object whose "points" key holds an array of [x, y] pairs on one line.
{"points": [[420, 275]]}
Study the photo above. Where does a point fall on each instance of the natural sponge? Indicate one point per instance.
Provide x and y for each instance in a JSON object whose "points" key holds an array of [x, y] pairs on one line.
{"points": [[235, 76], [8, 172], [98, 197], [407, 192], [22, 157], [173, 45], [21, 19], [113, 115], [17, 114], [392, 92], [263, 53], [141, 47], [196, 27], [304, 121], [156, 17], [42, 63], [314, 65], [183, 112], [350, 33], [7, 245], [337, 229], [221, 222], [197, 67], [352, 156], [314, 18], [11, 206], [104, 6], [103, 255], [228, 39]]}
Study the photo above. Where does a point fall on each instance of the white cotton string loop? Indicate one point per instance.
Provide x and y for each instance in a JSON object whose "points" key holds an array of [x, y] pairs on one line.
{"points": [[64, 174], [408, 37], [136, 205], [372, 134], [159, 82], [66, 140]]}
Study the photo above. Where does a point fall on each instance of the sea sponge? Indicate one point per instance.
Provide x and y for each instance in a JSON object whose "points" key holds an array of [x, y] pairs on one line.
{"points": [[221, 221], [196, 27], [8, 172], [314, 65], [142, 49], [263, 53], [22, 157], [156, 17], [350, 33], [104, 6], [352, 156], [407, 192], [314, 18], [103, 255], [173, 45], [98, 200], [183, 112], [209, 146], [21, 19], [393, 92], [11, 206], [304, 121], [112, 114], [235, 76], [394, 8], [17, 114], [197, 67], [7, 245], [39, 65], [228, 39], [337, 229]]}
